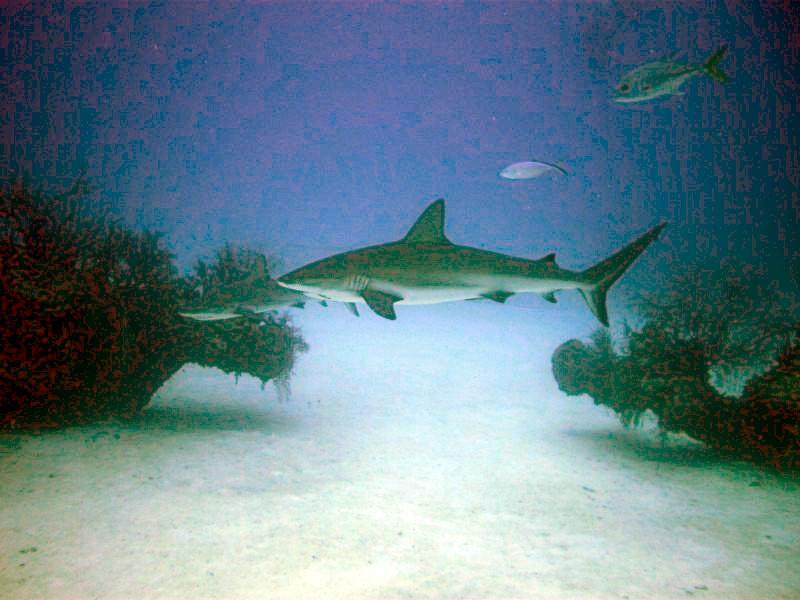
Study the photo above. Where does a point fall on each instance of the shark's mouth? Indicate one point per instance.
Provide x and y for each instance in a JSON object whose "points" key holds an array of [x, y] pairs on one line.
{"points": [[304, 288]]}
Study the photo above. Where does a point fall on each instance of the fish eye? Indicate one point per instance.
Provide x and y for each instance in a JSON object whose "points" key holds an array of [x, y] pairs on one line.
{"points": [[646, 87], [624, 87]]}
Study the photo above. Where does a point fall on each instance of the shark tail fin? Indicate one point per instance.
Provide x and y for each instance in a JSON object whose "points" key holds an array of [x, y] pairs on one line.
{"points": [[711, 67], [602, 276]]}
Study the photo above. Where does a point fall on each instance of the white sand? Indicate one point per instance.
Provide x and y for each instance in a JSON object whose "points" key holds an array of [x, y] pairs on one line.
{"points": [[433, 457]]}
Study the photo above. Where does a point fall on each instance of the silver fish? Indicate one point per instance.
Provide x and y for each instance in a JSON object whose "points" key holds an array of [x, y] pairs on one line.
{"points": [[529, 169], [665, 77]]}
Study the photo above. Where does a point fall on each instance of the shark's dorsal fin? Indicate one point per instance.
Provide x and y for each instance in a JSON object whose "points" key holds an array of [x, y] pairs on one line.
{"points": [[260, 270], [429, 228]]}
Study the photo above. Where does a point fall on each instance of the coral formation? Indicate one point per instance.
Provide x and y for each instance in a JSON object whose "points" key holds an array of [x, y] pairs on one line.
{"points": [[665, 367], [90, 326]]}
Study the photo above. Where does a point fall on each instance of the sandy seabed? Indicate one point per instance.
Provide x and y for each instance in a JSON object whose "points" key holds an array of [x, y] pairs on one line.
{"points": [[432, 457]]}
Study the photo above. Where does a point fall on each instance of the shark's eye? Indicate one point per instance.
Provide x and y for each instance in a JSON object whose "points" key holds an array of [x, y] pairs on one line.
{"points": [[646, 86], [624, 88]]}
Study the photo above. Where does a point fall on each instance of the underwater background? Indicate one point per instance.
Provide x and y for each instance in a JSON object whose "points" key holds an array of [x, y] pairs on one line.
{"points": [[436, 456]]}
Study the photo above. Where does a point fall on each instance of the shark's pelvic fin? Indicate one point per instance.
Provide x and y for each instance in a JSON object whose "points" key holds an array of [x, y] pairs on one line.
{"points": [[381, 302], [603, 275], [498, 296], [352, 308], [429, 228], [550, 297]]}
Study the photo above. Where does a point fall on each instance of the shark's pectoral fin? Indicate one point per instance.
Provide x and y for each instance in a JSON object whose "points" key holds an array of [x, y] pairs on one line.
{"points": [[249, 314], [498, 296], [550, 297], [381, 302], [352, 308]]}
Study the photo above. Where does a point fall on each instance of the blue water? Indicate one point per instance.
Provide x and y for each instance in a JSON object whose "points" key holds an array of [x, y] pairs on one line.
{"points": [[303, 129]]}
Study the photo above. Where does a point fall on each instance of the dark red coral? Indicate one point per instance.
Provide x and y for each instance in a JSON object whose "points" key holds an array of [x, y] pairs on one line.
{"points": [[89, 317], [669, 376]]}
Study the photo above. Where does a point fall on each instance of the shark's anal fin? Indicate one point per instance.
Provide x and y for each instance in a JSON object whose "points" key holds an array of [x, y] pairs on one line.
{"points": [[352, 308], [550, 297], [381, 302], [498, 296]]}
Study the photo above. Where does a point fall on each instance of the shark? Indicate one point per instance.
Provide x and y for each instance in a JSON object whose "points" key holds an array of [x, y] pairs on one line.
{"points": [[249, 296], [271, 300], [425, 267]]}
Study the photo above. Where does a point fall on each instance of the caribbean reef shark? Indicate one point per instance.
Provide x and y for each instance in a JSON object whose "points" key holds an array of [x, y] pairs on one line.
{"points": [[250, 295], [426, 268]]}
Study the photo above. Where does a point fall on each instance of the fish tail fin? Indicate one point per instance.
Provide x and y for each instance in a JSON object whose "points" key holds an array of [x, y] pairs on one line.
{"points": [[711, 67], [602, 276]]}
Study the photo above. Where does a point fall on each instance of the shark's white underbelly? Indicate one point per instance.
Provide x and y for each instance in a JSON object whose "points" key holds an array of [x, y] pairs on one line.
{"points": [[416, 296], [435, 294]]}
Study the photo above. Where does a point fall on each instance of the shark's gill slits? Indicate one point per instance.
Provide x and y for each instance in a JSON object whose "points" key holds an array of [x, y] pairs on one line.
{"points": [[357, 282], [352, 282]]}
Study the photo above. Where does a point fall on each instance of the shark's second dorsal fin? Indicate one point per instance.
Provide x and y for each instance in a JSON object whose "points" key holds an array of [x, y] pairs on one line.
{"points": [[429, 228], [549, 258]]}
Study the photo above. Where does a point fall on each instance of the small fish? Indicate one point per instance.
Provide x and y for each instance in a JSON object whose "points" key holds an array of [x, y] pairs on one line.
{"points": [[529, 169], [665, 77]]}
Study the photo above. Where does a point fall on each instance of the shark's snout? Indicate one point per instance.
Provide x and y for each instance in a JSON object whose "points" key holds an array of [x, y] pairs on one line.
{"points": [[291, 281], [285, 281]]}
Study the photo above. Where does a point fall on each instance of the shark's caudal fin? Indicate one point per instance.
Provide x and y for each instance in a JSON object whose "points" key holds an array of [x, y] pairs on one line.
{"points": [[603, 275], [711, 65]]}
